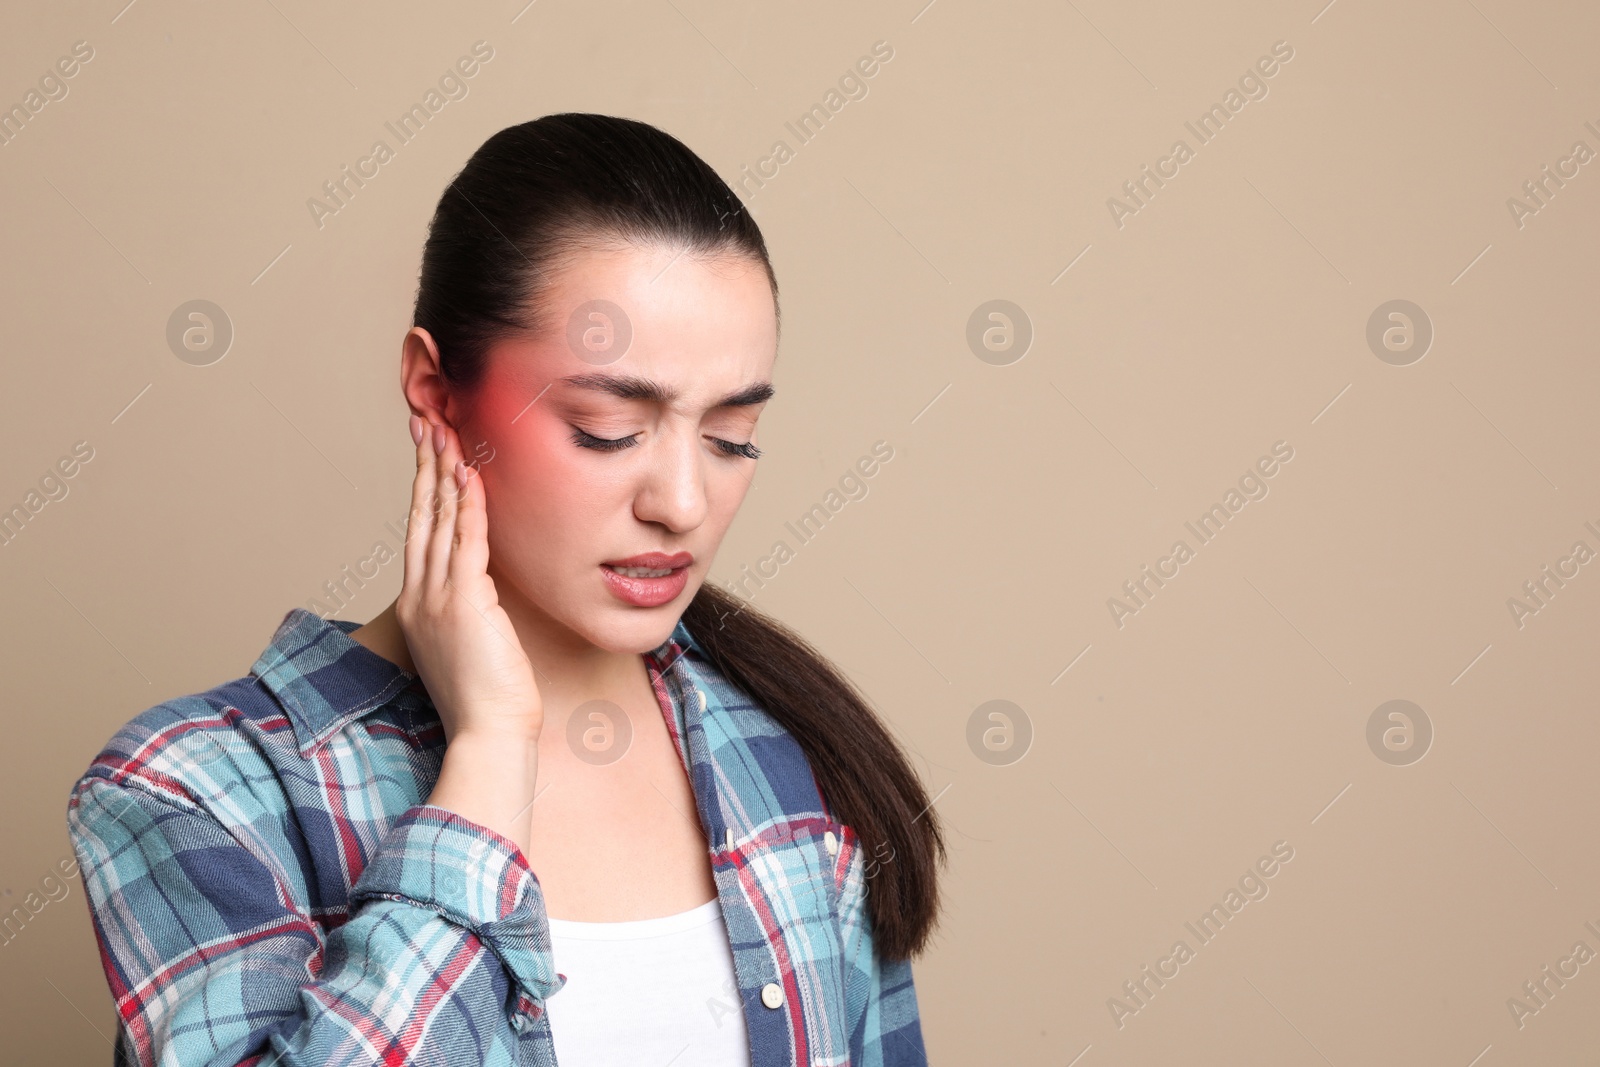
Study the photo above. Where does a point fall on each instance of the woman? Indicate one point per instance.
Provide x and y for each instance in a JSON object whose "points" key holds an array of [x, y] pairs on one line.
{"points": [[560, 797]]}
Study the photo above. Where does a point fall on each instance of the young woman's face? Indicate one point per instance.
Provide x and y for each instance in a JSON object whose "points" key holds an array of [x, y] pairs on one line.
{"points": [[669, 356]]}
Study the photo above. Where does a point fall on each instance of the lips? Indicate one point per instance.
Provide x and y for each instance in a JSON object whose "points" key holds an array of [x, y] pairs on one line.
{"points": [[652, 578]]}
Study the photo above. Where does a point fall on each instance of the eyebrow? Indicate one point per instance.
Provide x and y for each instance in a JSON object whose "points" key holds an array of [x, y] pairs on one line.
{"points": [[632, 387]]}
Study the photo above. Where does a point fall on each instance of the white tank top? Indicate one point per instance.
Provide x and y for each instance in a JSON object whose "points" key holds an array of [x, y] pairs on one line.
{"points": [[648, 991]]}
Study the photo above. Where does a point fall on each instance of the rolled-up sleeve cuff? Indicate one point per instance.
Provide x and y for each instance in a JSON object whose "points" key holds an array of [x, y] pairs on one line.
{"points": [[473, 877]]}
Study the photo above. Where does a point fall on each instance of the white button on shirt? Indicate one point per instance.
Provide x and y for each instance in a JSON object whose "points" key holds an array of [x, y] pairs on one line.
{"points": [[648, 991]]}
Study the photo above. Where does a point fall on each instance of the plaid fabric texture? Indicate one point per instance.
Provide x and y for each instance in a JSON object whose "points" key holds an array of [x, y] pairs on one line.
{"points": [[268, 886]]}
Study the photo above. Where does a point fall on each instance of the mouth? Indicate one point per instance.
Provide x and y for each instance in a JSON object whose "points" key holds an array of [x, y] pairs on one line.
{"points": [[650, 579], [656, 563], [640, 572]]}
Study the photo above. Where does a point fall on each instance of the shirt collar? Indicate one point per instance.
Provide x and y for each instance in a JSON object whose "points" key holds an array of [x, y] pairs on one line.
{"points": [[325, 679]]}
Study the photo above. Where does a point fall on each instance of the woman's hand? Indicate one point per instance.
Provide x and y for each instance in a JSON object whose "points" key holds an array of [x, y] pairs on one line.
{"points": [[464, 646]]}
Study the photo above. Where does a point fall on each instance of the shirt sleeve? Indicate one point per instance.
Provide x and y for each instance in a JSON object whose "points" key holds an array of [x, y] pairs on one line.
{"points": [[215, 957], [880, 996]]}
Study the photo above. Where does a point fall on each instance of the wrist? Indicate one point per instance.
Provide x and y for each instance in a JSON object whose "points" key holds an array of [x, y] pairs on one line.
{"points": [[505, 747], [490, 779]]}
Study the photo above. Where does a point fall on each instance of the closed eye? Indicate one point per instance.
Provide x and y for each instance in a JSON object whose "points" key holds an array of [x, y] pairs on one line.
{"points": [[746, 450], [601, 444]]}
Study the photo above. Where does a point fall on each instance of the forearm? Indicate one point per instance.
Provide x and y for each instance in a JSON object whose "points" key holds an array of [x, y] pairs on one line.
{"points": [[214, 958], [380, 999]]}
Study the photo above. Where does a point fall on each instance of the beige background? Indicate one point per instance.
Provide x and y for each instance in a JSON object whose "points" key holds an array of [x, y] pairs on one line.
{"points": [[1227, 314]]}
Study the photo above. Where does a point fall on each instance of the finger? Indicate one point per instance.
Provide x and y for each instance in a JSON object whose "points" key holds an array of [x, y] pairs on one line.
{"points": [[443, 535], [420, 524], [470, 558]]}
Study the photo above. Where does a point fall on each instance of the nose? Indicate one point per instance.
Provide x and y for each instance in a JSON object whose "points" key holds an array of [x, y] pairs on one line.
{"points": [[672, 490]]}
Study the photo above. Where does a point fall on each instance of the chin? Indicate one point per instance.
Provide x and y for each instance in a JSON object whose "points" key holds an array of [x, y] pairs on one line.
{"points": [[634, 630]]}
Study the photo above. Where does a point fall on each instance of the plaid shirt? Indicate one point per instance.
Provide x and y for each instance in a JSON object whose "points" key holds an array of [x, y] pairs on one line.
{"points": [[269, 888]]}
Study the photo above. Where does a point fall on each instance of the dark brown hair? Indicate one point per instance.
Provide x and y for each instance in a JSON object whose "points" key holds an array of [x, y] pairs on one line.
{"points": [[536, 193]]}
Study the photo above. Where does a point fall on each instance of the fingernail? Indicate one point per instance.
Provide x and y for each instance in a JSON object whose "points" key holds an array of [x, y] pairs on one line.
{"points": [[416, 429], [438, 438], [461, 473]]}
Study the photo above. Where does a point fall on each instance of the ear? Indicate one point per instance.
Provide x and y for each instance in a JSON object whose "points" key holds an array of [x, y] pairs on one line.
{"points": [[429, 395], [425, 390]]}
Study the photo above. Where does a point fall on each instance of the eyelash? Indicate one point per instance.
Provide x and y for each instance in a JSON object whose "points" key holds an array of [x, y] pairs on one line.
{"points": [[602, 444]]}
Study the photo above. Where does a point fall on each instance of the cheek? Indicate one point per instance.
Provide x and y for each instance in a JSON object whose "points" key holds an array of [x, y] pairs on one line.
{"points": [[523, 488], [547, 509], [725, 498]]}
